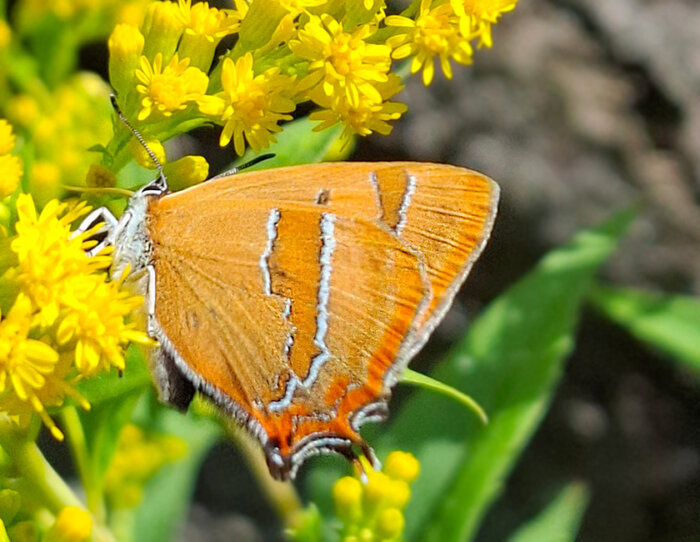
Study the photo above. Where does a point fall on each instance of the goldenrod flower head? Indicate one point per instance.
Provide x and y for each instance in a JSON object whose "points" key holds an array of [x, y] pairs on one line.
{"points": [[371, 511], [347, 496], [477, 16], [402, 466], [342, 62], [204, 27], [162, 29], [7, 137], [95, 323], [99, 176], [141, 155], [369, 115], [390, 524], [48, 257], [186, 171], [170, 88], [72, 524], [139, 456], [11, 167], [24, 362], [125, 45], [211, 23], [434, 33], [67, 321], [250, 106]]}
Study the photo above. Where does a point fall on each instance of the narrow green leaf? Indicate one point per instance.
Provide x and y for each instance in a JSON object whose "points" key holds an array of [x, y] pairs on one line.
{"points": [[560, 521], [670, 323], [510, 363], [297, 144], [410, 376]]}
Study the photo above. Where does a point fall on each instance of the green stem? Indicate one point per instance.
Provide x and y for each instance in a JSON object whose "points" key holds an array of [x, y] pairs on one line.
{"points": [[81, 457], [281, 495], [41, 481]]}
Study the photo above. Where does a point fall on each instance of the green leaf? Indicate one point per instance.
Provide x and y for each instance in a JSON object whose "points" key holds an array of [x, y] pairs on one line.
{"points": [[510, 363], [670, 323], [167, 495], [94, 433], [297, 144], [560, 521], [419, 379], [107, 386]]}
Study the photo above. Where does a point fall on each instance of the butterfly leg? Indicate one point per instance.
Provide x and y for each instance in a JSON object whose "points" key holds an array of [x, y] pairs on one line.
{"points": [[104, 233]]}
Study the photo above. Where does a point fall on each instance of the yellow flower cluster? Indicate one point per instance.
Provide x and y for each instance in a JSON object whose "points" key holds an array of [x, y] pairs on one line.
{"points": [[62, 319], [61, 128], [10, 165], [138, 458], [72, 524], [337, 55], [373, 511]]}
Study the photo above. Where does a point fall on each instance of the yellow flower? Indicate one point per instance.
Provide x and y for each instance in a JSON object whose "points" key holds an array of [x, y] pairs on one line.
{"points": [[7, 137], [162, 28], [125, 46], [68, 321], [48, 256], [26, 364], [372, 511], [390, 524], [368, 116], [10, 166], [170, 88], [72, 524], [204, 27], [402, 466], [435, 32], [342, 62], [186, 171], [95, 320], [250, 106], [477, 16], [211, 23], [141, 156]]}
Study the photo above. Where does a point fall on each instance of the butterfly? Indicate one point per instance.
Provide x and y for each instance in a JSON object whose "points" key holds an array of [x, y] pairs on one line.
{"points": [[294, 297]]}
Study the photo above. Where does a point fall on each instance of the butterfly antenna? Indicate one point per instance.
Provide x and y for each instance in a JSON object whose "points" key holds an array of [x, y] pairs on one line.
{"points": [[161, 176], [255, 161]]}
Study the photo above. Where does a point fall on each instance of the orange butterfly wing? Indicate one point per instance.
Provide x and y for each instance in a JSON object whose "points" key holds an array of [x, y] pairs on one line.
{"points": [[294, 297]]}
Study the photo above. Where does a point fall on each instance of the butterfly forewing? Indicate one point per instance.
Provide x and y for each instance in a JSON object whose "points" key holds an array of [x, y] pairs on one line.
{"points": [[296, 296]]}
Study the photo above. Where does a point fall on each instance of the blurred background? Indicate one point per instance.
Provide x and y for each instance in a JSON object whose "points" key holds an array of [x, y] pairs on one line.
{"points": [[580, 109]]}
